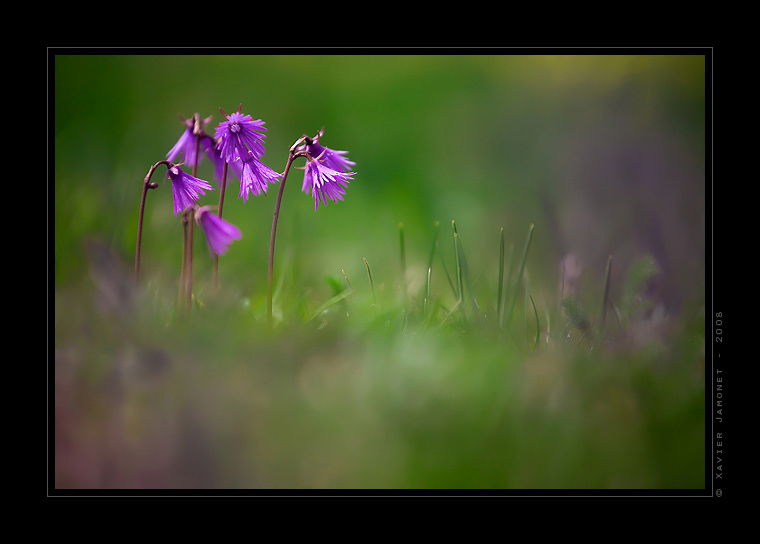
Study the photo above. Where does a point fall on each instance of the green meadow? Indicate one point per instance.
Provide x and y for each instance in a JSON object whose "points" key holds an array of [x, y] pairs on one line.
{"points": [[510, 297]]}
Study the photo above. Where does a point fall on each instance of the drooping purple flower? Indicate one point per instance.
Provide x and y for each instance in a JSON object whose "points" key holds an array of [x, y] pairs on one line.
{"points": [[219, 233], [186, 188], [329, 157], [238, 135], [324, 182], [254, 176], [185, 146]]}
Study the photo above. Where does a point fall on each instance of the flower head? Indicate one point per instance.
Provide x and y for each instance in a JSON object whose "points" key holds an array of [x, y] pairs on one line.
{"points": [[253, 175], [219, 233], [240, 134], [330, 157], [185, 146], [324, 182], [186, 188]]}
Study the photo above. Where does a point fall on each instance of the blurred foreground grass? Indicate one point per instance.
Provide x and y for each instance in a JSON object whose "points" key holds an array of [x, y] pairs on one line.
{"points": [[365, 395]]}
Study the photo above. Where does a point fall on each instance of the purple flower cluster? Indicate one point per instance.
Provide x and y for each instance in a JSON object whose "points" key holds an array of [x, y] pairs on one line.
{"points": [[237, 148], [241, 145], [238, 142]]}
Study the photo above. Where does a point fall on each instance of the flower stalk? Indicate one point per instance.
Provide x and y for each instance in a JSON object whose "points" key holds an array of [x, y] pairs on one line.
{"points": [[293, 154], [325, 175], [222, 188], [147, 185]]}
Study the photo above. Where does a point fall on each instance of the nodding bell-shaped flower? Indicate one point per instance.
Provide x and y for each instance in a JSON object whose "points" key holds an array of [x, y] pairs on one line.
{"points": [[324, 182], [331, 158], [219, 233], [186, 188], [254, 176], [185, 146]]}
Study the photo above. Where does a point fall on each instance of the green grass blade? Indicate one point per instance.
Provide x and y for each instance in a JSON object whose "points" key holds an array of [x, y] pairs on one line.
{"points": [[448, 276], [371, 283], [520, 273], [466, 274], [427, 295], [538, 325], [606, 297], [348, 283], [458, 262], [402, 252], [434, 245], [506, 285], [501, 272], [330, 303]]}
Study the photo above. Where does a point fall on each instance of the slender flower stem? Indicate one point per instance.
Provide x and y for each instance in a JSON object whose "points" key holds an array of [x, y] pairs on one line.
{"points": [[186, 275], [292, 155], [190, 213], [182, 276], [222, 188], [147, 184]]}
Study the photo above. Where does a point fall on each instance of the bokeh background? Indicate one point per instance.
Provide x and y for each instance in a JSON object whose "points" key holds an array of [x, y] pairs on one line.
{"points": [[604, 154]]}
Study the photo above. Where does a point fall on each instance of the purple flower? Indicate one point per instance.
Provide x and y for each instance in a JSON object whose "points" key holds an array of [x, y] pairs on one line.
{"points": [[239, 134], [324, 182], [185, 146], [186, 188], [253, 175], [219, 233], [329, 157]]}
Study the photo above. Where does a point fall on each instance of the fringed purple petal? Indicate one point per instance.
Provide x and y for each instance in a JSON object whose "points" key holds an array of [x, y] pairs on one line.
{"points": [[325, 183], [239, 135], [219, 233], [329, 157], [255, 177], [186, 189]]}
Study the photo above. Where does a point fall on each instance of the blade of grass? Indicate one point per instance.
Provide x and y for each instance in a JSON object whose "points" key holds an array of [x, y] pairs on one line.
{"points": [[427, 294], [606, 297], [506, 284], [348, 282], [330, 303], [501, 272], [429, 270], [371, 283], [448, 276], [434, 245], [538, 326], [457, 261], [403, 257], [466, 275], [450, 313], [520, 273]]}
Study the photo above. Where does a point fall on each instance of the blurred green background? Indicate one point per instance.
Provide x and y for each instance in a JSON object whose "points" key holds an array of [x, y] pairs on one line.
{"points": [[604, 154]]}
